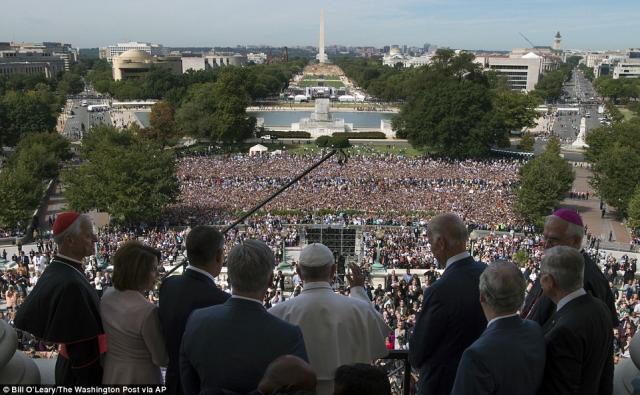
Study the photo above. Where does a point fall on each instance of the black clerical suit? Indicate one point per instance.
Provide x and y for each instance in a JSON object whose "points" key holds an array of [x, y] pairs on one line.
{"points": [[539, 308], [64, 308], [579, 340]]}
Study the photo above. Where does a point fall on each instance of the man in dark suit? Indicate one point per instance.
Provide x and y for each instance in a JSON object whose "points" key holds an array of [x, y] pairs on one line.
{"points": [[579, 335], [193, 289], [509, 356], [451, 317], [564, 227], [229, 346]]}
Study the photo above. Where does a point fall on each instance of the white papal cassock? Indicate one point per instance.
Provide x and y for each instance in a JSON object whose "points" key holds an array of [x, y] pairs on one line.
{"points": [[338, 330]]}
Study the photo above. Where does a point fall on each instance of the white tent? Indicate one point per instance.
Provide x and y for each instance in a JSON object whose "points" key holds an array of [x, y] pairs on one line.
{"points": [[257, 149]]}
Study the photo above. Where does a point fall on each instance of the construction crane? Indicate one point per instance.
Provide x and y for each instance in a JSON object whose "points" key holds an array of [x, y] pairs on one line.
{"points": [[529, 41]]}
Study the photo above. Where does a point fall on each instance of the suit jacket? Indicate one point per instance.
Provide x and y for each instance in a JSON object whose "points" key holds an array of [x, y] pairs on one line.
{"points": [[540, 308], [451, 319], [579, 341], [507, 359], [179, 296], [229, 346]]}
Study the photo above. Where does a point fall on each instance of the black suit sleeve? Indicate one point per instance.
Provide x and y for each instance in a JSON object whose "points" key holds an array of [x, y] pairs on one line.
{"points": [[299, 349], [429, 330], [563, 368], [188, 374]]}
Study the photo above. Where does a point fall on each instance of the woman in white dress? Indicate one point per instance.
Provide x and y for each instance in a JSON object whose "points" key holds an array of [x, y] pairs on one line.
{"points": [[135, 345]]}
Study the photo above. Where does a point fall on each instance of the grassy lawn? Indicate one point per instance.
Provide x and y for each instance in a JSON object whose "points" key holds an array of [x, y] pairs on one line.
{"points": [[326, 77], [628, 114], [332, 83]]}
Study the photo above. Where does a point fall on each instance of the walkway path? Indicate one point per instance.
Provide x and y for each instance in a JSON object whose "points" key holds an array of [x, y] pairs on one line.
{"points": [[598, 225]]}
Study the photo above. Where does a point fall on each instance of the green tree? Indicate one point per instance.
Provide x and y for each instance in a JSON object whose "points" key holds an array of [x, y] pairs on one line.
{"points": [[614, 152], [196, 115], [549, 87], [20, 193], [162, 126], [123, 175], [616, 175], [450, 110], [634, 210], [25, 112], [527, 142], [544, 181]]}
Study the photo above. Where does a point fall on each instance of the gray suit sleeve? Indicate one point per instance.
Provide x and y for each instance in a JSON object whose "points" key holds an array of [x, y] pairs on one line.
{"points": [[472, 377]]}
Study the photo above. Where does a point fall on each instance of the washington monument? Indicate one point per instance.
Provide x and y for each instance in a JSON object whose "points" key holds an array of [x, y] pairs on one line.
{"points": [[322, 57]]}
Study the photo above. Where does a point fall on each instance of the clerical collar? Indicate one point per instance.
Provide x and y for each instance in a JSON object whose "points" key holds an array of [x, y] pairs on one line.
{"points": [[76, 264], [568, 298]]}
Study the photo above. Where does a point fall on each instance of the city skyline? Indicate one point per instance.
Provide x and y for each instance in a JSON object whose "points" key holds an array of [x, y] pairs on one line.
{"points": [[465, 24]]}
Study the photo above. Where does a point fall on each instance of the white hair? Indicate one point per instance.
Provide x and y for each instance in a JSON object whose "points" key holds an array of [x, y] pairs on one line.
{"points": [[573, 231], [250, 266], [566, 266]]}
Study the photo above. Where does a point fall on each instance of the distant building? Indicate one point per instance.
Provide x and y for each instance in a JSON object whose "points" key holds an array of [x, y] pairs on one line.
{"points": [[395, 56], [627, 69], [557, 40], [220, 59], [112, 51], [522, 73], [135, 63], [195, 63], [257, 58], [48, 58]]}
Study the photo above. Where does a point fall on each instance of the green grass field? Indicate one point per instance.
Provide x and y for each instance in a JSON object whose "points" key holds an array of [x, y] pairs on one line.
{"points": [[333, 83], [628, 114]]}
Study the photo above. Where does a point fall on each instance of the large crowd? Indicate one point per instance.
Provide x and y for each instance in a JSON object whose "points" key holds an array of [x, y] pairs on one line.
{"points": [[216, 189]]}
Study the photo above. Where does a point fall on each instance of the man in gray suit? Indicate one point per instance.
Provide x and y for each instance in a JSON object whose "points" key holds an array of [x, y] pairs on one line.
{"points": [[509, 356], [229, 346]]}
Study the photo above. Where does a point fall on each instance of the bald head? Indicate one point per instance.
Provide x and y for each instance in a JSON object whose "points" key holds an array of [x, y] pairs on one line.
{"points": [[449, 227], [290, 373]]}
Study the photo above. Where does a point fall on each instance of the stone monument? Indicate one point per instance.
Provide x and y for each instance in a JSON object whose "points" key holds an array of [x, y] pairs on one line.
{"points": [[321, 123]]}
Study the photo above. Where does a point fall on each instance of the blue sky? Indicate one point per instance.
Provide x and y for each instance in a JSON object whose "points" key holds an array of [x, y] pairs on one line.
{"points": [[467, 24]]}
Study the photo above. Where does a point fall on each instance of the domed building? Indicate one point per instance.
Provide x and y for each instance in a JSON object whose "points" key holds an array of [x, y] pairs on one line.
{"points": [[135, 63]]}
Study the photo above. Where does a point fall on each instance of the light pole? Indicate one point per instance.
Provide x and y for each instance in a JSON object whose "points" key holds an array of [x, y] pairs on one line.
{"points": [[283, 264], [377, 266]]}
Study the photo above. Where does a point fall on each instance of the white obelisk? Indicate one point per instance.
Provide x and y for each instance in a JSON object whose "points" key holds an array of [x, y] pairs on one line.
{"points": [[322, 57]]}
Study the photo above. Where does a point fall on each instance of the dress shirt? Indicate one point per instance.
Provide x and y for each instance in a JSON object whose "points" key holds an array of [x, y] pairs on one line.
{"points": [[500, 317], [575, 294], [197, 269], [456, 258], [245, 298]]}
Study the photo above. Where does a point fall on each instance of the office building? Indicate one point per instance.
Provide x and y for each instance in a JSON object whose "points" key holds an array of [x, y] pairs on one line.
{"points": [[112, 51]]}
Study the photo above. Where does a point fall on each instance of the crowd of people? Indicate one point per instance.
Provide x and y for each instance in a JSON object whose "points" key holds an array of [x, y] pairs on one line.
{"points": [[407, 250], [215, 189]]}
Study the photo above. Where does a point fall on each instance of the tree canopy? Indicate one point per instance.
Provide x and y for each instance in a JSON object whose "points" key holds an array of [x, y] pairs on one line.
{"points": [[614, 152], [456, 109], [544, 181], [37, 158], [122, 174]]}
